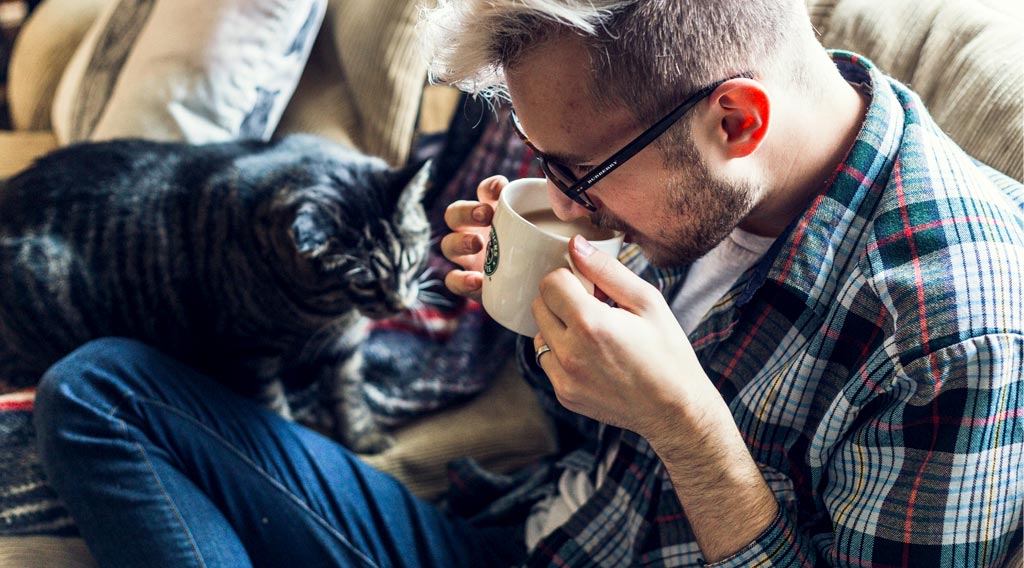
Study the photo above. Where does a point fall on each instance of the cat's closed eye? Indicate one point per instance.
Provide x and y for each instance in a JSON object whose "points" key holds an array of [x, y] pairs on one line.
{"points": [[360, 276]]}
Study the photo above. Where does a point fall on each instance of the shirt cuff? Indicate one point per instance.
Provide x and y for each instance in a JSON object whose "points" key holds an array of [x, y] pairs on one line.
{"points": [[778, 545]]}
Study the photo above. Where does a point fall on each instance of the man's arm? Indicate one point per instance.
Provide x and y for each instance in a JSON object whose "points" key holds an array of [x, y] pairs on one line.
{"points": [[727, 502]]}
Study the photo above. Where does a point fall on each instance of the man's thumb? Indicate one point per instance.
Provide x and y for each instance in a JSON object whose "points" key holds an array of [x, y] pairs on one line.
{"points": [[608, 274]]}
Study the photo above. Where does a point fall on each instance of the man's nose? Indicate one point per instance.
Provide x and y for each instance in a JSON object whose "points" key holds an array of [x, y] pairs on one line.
{"points": [[565, 208]]}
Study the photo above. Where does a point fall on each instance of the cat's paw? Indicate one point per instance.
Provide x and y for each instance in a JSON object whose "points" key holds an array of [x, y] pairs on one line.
{"points": [[373, 442]]}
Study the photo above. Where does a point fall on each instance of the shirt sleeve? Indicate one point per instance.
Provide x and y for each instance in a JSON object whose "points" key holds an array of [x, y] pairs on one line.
{"points": [[925, 473]]}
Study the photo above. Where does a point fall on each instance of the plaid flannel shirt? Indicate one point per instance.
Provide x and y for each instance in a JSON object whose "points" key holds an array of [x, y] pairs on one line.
{"points": [[872, 360]]}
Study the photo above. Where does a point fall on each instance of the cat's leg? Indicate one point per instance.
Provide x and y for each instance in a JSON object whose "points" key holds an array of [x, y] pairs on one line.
{"points": [[354, 423], [270, 391], [272, 396]]}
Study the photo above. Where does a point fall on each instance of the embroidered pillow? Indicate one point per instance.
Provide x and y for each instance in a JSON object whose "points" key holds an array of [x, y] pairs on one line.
{"points": [[191, 70]]}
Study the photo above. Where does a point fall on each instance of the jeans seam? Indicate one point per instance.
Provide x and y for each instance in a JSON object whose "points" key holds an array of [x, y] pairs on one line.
{"points": [[112, 414], [266, 476]]}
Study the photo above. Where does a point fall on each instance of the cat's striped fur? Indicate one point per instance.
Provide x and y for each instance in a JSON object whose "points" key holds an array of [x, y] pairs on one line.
{"points": [[256, 261]]}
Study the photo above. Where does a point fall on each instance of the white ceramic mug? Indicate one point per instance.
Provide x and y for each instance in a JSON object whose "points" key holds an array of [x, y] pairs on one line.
{"points": [[527, 242]]}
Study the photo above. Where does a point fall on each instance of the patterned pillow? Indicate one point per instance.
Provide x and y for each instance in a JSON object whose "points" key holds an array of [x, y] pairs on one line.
{"points": [[191, 70]]}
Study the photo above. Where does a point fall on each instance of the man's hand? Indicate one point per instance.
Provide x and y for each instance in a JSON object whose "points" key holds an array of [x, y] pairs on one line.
{"points": [[633, 367], [630, 366], [470, 222]]}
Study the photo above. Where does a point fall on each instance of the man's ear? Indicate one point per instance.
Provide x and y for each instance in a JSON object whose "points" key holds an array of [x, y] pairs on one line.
{"points": [[742, 110]]}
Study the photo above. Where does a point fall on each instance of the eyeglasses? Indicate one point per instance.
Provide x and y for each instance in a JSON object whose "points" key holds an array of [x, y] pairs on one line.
{"points": [[575, 188]]}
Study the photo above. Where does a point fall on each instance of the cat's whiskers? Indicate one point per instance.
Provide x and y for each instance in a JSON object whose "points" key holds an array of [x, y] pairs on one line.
{"points": [[428, 298], [427, 272], [424, 280]]}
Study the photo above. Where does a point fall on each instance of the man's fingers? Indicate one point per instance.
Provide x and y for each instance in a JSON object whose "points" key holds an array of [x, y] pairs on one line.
{"points": [[488, 190], [454, 246], [552, 332], [470, 220], [611, 276], [562, 298], [464, 283], [550, 325], [467, 214]]}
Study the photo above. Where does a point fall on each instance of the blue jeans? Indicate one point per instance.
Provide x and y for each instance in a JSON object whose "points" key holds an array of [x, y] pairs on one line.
{"points": [[161, 466]]}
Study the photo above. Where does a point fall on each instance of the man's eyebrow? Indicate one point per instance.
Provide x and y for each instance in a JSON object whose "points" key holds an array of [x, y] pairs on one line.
{"points": [[567, 159]]}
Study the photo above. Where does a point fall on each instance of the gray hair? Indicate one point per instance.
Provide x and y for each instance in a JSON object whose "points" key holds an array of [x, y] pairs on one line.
{"points": [[648, 53]]}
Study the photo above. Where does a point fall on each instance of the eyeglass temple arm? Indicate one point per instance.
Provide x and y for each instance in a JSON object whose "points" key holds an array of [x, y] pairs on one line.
{"points": [[651, 134]]}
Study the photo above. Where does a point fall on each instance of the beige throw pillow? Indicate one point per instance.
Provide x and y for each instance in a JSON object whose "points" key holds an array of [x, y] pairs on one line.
{"points": [[191, 70]]}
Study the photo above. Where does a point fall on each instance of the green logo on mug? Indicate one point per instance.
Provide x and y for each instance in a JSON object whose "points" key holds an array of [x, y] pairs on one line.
{"points": [[491, 262]]}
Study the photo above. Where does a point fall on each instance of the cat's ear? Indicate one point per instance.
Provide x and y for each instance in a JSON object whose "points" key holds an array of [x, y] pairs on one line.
{"points": [[309, 231], [414, 180]]}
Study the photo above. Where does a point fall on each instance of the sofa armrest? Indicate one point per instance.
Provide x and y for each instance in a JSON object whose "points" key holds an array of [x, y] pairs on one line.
{"points": [[43, 49], [18, 149]]}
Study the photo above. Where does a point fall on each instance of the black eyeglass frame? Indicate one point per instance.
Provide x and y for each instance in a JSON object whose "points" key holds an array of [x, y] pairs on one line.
{"points": [[576, 188]]}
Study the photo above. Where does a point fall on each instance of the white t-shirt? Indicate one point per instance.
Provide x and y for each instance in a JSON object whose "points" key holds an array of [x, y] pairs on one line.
{"points": [[708, 279], [713, 274]]}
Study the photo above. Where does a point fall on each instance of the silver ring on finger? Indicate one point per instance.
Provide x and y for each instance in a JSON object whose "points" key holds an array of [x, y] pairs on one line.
{"points": [[540, 351]]}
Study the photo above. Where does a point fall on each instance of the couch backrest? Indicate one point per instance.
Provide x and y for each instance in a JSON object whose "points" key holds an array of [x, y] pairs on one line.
{"points": [[964, 57], [365, 78]]}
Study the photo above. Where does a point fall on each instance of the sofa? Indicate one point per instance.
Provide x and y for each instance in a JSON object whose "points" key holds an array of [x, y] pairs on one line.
{"points": [[365, 85]]}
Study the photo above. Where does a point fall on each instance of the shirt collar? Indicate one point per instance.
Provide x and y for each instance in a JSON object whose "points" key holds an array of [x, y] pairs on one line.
{"points": [[816, 248]]}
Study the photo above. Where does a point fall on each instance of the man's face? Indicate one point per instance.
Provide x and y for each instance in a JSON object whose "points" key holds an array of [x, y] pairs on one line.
{"points": [[675, 214]]}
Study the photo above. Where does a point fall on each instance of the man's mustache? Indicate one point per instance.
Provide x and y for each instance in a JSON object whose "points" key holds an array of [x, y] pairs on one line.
{"points": [[606, 221]]}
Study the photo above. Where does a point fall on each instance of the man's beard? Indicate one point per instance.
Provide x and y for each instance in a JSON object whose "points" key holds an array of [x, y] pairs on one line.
{"points": [[701, 213]]}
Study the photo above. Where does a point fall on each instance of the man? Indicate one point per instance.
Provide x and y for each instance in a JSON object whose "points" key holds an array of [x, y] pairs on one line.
{"points": [[849, 331], [834, 379]]}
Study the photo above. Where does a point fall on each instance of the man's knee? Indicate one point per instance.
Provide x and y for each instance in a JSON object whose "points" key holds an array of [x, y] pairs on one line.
{"points": [[70, 379]]}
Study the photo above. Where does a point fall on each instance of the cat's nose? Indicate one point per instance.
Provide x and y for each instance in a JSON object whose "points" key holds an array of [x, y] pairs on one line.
{"points": [[398, 302]]}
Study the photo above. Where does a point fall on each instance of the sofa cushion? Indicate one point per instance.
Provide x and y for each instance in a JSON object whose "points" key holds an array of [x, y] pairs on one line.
{"points": [[19, 149], [962, 56], [45, 552], [188, 70], [503, 428], [365, 79]]}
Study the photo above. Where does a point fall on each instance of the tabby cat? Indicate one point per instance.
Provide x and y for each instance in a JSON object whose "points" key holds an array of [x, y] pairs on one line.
{"points": [[258, 262]]}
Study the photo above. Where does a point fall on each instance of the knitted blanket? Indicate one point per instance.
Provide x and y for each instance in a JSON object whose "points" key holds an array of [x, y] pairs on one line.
{"points": [[416, 363]]}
